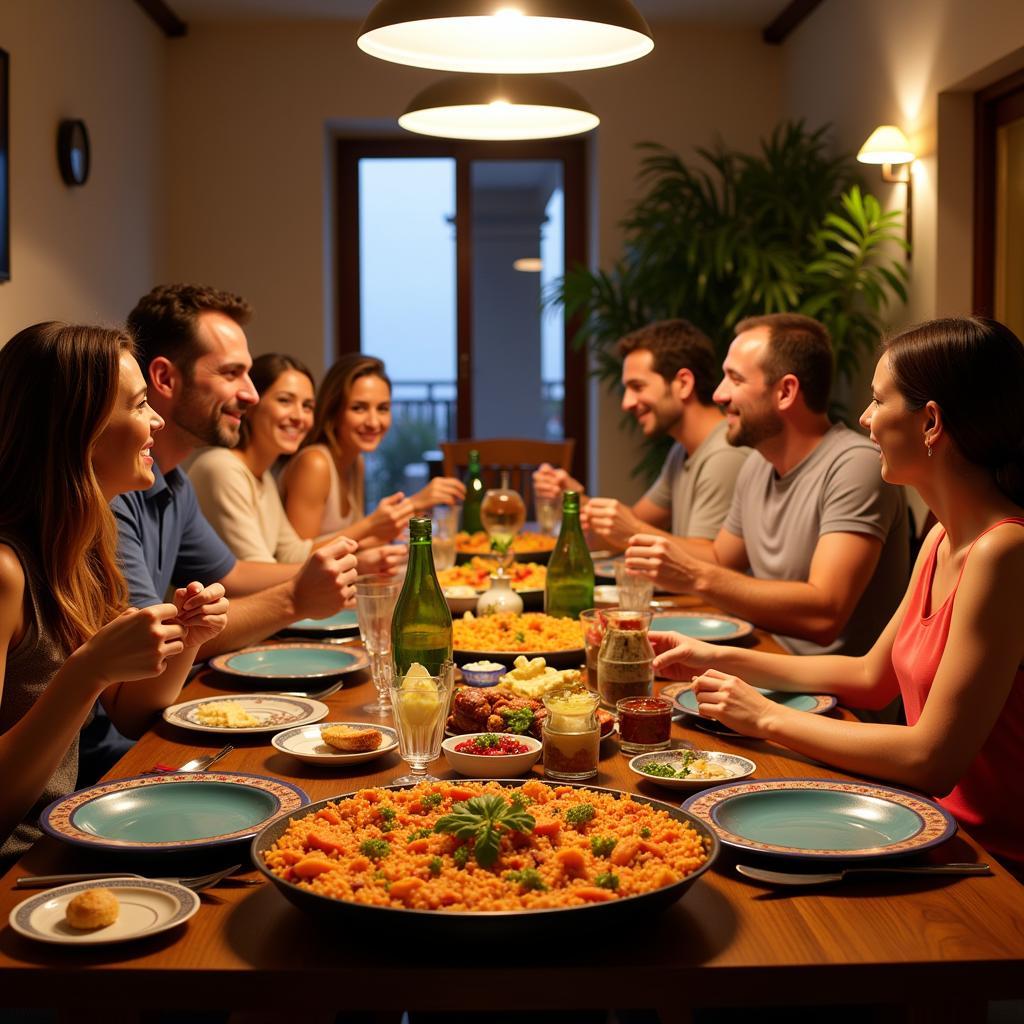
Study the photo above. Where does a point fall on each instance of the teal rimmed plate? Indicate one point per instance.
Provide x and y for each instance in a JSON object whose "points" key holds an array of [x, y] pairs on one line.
{"points": [[817, 818], [146, 906], [343, 623], [712, 627], [178, 810], [272, 712], [684, 699], [291, 661]]}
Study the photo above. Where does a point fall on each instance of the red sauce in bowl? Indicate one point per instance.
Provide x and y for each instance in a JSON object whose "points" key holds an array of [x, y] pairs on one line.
{"points": [[492, 745]]}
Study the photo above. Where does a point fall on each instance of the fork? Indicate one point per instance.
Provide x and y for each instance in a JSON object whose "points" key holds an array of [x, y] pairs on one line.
{"points": [[194, 883], [316, 695]]}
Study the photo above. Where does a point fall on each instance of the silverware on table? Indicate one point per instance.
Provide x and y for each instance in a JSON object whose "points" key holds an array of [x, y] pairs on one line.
{"points": [[194, 883], [314, 694], [801, 878], [200, 764]]}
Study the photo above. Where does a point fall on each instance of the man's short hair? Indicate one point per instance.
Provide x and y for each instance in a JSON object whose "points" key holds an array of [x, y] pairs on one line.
{"points": [[799, 345], [163, 322], [677, 345]]}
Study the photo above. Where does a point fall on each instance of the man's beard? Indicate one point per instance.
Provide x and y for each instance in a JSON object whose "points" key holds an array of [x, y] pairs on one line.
{"points": [[753, 430], [208, 431]]}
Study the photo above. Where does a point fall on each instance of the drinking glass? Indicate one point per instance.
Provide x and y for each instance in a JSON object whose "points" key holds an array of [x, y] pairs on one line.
{"points": [[549, 513], [442, 537], [503, 513], [420, 703], [634, 591], [375, 605]]}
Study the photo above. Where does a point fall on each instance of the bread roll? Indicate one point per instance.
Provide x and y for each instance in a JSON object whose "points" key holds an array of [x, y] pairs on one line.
{"points": [[94, 908], [352, 740]]}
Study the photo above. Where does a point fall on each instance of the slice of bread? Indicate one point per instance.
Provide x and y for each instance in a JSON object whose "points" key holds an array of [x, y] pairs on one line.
{"points": [[352, 740]]}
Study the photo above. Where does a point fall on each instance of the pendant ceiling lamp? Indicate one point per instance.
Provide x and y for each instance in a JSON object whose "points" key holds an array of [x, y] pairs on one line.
{"points": [[498, 108], [506, 36]]}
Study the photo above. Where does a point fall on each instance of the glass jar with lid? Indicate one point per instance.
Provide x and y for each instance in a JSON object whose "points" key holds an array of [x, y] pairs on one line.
{"points": [[625, 663], [571, 734]]}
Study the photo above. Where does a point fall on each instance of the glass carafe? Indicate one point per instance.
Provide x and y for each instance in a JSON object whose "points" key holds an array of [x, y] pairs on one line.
{"points": [[625, 663]]}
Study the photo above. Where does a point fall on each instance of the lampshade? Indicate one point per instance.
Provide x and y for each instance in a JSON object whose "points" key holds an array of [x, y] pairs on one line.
{"points": [[506, 36], [498, 108], [528, 264], [886, 145]]}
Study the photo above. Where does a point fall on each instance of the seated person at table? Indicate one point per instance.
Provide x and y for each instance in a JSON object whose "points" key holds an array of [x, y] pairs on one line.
{"points": [[669, 372], [323, 485], [197, 359], [825, 542], [236, 489], [948, 419], [75, 431]]}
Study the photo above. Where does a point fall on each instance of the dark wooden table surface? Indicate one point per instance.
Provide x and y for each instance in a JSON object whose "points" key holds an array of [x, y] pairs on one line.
{"points": [[936, 949]]}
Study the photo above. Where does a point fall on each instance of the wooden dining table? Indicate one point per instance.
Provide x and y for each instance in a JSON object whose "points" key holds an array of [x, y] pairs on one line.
{"points": [[902, 947]]}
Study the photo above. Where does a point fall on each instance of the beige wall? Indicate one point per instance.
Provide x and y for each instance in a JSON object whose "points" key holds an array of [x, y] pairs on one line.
{"points": [[250, 110], [81, 253]]}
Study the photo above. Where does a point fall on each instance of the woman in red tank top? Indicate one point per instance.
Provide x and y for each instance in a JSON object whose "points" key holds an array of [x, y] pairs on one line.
{"points": [[947, 414]]}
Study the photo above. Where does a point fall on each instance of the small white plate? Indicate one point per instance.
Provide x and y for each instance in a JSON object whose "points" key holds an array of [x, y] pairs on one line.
{"points": [[305, 743], [275, 712], [147, 906], [737, 767]]}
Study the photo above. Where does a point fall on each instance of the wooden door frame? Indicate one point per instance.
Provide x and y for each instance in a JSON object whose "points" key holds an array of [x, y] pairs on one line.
{"points": [[572, 155], [995, 105]]}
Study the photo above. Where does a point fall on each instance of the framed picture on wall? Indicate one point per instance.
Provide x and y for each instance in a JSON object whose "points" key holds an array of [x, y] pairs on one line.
{"points": [[5, 196]]}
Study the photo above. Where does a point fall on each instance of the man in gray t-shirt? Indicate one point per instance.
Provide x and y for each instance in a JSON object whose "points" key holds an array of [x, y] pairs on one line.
{"points": [[669, 370], [815, 547]]}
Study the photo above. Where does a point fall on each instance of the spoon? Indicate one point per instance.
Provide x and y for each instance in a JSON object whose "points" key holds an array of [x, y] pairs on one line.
{"points": [[799, 878]]}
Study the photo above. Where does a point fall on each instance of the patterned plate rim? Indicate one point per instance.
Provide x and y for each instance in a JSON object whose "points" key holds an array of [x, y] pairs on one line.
{"points": [[307, 626], [390, 737], [937, 824], [634, 766], [743, 627], [56, 818], [220, 662], [188, 903], [176, 714], [823, 702]]}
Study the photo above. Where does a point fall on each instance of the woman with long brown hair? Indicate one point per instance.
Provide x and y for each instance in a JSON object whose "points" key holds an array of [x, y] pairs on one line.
{"points": [[948, 418], [323, 485], [75, 431]]}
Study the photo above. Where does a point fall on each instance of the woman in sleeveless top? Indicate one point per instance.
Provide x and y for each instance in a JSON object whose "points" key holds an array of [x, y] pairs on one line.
{"points": [[948, 417], [323, 484], [75, 431]]}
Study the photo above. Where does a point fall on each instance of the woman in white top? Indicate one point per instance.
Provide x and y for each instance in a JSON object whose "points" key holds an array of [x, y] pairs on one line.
{"points": [[323, 485], [236, 488]]}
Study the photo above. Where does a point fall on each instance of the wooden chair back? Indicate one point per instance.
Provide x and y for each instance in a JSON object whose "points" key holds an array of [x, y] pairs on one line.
{"points": [[519, 455]]}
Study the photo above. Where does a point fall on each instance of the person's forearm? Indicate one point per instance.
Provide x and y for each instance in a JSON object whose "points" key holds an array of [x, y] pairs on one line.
{"points": [[698, 547], [253, 619], [894, 753], [32, 748], [845, 678], [133, 706], [789, 607], [248, 578]]}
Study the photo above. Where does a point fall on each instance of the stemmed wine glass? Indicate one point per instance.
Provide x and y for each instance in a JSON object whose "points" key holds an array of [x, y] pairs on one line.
{"points": [[420, 702], [375, 605], [503, 513]]}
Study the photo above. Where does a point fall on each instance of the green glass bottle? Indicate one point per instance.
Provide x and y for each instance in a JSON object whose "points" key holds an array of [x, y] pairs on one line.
{"points": [[421, 628], [570, 583], [474, 495]]}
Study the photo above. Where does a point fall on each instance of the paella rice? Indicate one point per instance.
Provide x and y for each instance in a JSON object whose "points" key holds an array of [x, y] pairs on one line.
{"points": [[479, 543], [380, 847], [476, 573], [505, 631]]}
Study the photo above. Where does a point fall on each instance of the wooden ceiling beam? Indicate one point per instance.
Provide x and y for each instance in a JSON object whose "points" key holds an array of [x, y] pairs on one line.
{"points": [[793, 13], [167, 21]]}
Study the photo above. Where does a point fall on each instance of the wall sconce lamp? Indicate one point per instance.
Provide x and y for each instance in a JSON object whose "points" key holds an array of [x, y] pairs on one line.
{"points": [[888, 146]]}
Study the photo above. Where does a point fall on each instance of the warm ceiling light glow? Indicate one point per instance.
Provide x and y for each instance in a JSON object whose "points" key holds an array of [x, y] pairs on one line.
{"points": [[498, 108], [537, 36], [886, 145], [528, 264]]}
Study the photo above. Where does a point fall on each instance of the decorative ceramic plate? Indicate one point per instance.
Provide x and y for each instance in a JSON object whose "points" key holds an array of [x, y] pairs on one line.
{"points": [[684, 699], [734, 766], [147, 906], [714, 628], [291, 661], [306, 744], [273, 711], [344, 623], [821, 818], [172, 811]]}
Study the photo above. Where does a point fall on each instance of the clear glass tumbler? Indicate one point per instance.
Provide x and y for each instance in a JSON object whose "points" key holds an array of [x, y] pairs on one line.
{"points": [[633, 590], [420, 702], [442, 536], [375, 606]]}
